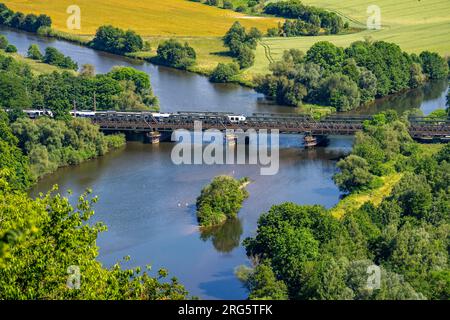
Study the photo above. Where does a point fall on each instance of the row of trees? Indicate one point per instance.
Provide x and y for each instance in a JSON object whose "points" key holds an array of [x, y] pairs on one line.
{"points": [[122, 88], [52, 56], [308, 21], [303, 252], [346, 78], [18, 20], [252, 6]]}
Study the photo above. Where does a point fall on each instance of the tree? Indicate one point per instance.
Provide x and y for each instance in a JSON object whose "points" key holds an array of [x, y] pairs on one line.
{"points": [[3, 42], [339, 91], [220, 200], [245, 57], [263, 284], [354, 174], [34, 52], [87, 70], [174, 54], [40, 240], [224, 72], [326, 55], [11, 48], [115, 40], [434, 66]]}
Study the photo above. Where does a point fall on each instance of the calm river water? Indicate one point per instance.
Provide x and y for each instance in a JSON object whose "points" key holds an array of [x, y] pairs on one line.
{"points": [[148, 202]]}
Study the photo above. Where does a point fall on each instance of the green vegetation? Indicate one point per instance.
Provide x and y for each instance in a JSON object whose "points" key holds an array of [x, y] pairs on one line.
{"points": [[242, 44], [50, 144], [174, 54], [43, 241], [18, 20], [345, 79], [221, 200], [405, 231], [118, 41], [309, 20], [224, 72], [121, 89], [55, 58]]}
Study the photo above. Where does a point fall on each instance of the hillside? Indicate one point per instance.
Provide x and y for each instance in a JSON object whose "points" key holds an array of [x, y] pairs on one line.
{"points": [[149, 17], [412, 24]]}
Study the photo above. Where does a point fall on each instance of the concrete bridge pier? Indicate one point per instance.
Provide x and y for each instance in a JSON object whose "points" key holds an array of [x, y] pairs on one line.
{"points": [[311, 141], [153, 137], [230, 139]]}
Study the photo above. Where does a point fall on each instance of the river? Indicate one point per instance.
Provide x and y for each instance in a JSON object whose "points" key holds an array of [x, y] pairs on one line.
{"points": [[148, 203]]}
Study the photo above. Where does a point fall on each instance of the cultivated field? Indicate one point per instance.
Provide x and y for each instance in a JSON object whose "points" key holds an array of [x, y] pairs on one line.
{"points": [[413, 24], [147, 17]]}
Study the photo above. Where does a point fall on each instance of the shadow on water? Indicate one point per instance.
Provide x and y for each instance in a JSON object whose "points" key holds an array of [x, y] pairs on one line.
{"points": [[226, 237]]}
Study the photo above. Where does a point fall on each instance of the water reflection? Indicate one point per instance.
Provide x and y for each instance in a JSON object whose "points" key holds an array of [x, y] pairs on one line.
{"points": [[226, 237]]}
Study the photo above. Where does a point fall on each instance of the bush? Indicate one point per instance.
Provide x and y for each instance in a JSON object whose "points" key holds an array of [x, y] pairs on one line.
{"points": [[118, 41], [54, 57], [172, 53], [220, 200], [34, 52], [11, 49], [3, 42], [224, 72]]}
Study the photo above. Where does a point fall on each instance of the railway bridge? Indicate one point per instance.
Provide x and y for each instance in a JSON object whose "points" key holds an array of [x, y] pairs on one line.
{"points": [[421, 128]]}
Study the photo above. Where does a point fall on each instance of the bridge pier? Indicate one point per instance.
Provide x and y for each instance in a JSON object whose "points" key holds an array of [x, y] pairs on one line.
{"points": [[153, 137], [311, 141], [230, 139]]}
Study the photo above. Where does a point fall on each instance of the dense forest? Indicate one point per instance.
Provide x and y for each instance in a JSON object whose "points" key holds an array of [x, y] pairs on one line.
{"points": [[347, 78], [304, 252]]}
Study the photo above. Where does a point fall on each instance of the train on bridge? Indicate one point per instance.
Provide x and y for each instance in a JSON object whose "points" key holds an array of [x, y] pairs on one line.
{"points": [[153, 123]]}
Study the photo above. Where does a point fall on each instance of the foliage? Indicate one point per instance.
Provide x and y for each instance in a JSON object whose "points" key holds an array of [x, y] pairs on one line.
{"points": [[18, 20], [241, 44], [347, 78], [307, 17], [41, 239], [51, 144], [220, 200], [434, 66], [53, 57], [120, 89], [35, 53], [224, 72], [13, 164], [406, 233], [116, 40], [174, 54]]}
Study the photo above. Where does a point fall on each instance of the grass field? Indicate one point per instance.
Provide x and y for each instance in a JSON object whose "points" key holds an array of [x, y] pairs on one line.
{"points": [[147, 17], [414, 25]]}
